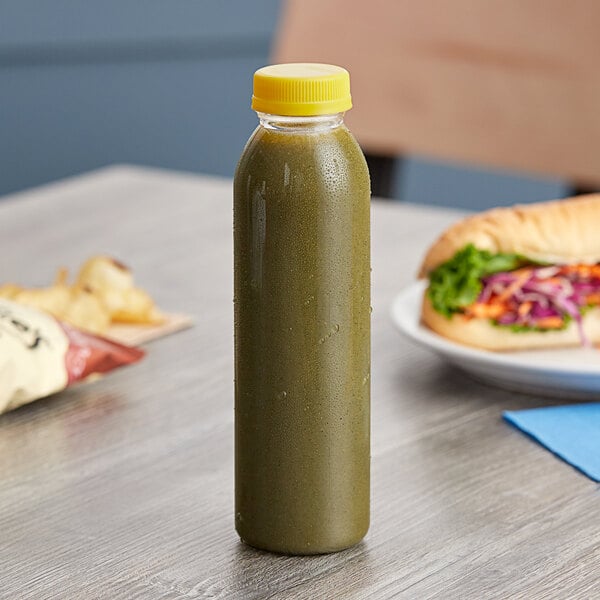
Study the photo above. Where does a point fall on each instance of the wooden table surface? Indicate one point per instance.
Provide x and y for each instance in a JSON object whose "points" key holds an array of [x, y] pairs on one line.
{"points": [[123, 488]]}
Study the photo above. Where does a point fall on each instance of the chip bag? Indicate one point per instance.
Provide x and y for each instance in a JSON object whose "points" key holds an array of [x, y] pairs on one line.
{"points": [[40, 355]]}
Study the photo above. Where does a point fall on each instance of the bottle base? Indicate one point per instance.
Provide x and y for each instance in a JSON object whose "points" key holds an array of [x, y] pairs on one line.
{"points": [[301, 549]]}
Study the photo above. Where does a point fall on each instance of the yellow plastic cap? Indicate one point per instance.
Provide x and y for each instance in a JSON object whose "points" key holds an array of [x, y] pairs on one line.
{"points": [[301, 90]]}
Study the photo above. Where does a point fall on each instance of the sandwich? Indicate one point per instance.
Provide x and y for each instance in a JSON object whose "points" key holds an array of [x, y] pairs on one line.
{"points": [[524, 277]]}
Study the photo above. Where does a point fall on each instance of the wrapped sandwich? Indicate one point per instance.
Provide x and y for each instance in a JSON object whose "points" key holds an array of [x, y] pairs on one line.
{"points": [[518, 278]]}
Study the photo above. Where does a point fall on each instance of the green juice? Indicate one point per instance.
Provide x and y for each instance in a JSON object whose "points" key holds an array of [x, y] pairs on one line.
{"points": [[302, 318], [302, 339]]}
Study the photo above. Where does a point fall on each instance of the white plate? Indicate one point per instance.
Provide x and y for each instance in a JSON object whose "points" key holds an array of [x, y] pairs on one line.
{"points": [[571, 372]]}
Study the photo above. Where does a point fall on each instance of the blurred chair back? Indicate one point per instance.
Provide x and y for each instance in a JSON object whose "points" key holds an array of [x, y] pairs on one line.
{"points": [[504, 83]]}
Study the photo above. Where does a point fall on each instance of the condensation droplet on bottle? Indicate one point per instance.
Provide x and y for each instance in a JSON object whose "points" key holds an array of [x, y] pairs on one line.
{"points": [[333, 330], [281, 395]]}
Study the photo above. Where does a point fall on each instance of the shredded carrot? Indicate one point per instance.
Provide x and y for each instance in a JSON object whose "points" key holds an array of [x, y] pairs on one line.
{"points": [[585, 271], [555, 280], [522, 271], [486, 311], [550, 323], [593, 298], [515, 285], [525, 308]]}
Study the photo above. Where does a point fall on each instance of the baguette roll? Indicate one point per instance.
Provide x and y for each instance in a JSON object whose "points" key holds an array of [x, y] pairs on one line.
{"points": [[557, 232], [561, 232]]}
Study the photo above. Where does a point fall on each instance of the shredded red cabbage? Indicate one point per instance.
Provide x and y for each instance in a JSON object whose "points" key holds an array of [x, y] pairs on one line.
{"points": [[540, 293]]}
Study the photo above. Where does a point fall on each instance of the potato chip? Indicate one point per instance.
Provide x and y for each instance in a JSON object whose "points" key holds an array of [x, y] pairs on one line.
{"points": [[53, 300], [62, 276], [112, 281], [103, 293], [9, 290], [86, 311]]}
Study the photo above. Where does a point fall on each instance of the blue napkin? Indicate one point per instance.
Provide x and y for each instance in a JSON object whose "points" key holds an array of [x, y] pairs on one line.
{"points": [[571, 432]]}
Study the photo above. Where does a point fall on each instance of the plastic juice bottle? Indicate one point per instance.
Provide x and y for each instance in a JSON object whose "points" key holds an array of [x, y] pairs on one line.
{"points": [[302, 317]]}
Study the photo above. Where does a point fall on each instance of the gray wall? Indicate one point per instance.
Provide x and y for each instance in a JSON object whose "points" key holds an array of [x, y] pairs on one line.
{"points": [[445, 184], [156, 82], [166, 83]]}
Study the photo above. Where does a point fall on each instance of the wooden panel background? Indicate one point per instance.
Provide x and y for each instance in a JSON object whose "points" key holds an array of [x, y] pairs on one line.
{"points": [[508, 83]]}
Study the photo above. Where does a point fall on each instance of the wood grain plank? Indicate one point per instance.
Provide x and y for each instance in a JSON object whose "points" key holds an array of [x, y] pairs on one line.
{"points": [[504, 83], [123, 489]]}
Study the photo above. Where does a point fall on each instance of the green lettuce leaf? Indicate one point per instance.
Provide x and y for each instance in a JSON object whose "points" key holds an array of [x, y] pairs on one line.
{"points": [[516, 328], [457, 283]]}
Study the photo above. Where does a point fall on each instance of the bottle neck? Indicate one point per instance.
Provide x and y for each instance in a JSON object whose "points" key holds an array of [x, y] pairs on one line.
{"points": [[301, 124]]}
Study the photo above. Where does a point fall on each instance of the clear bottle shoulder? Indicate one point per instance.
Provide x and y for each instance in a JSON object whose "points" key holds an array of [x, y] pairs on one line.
{"points": [[268, 150]]}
